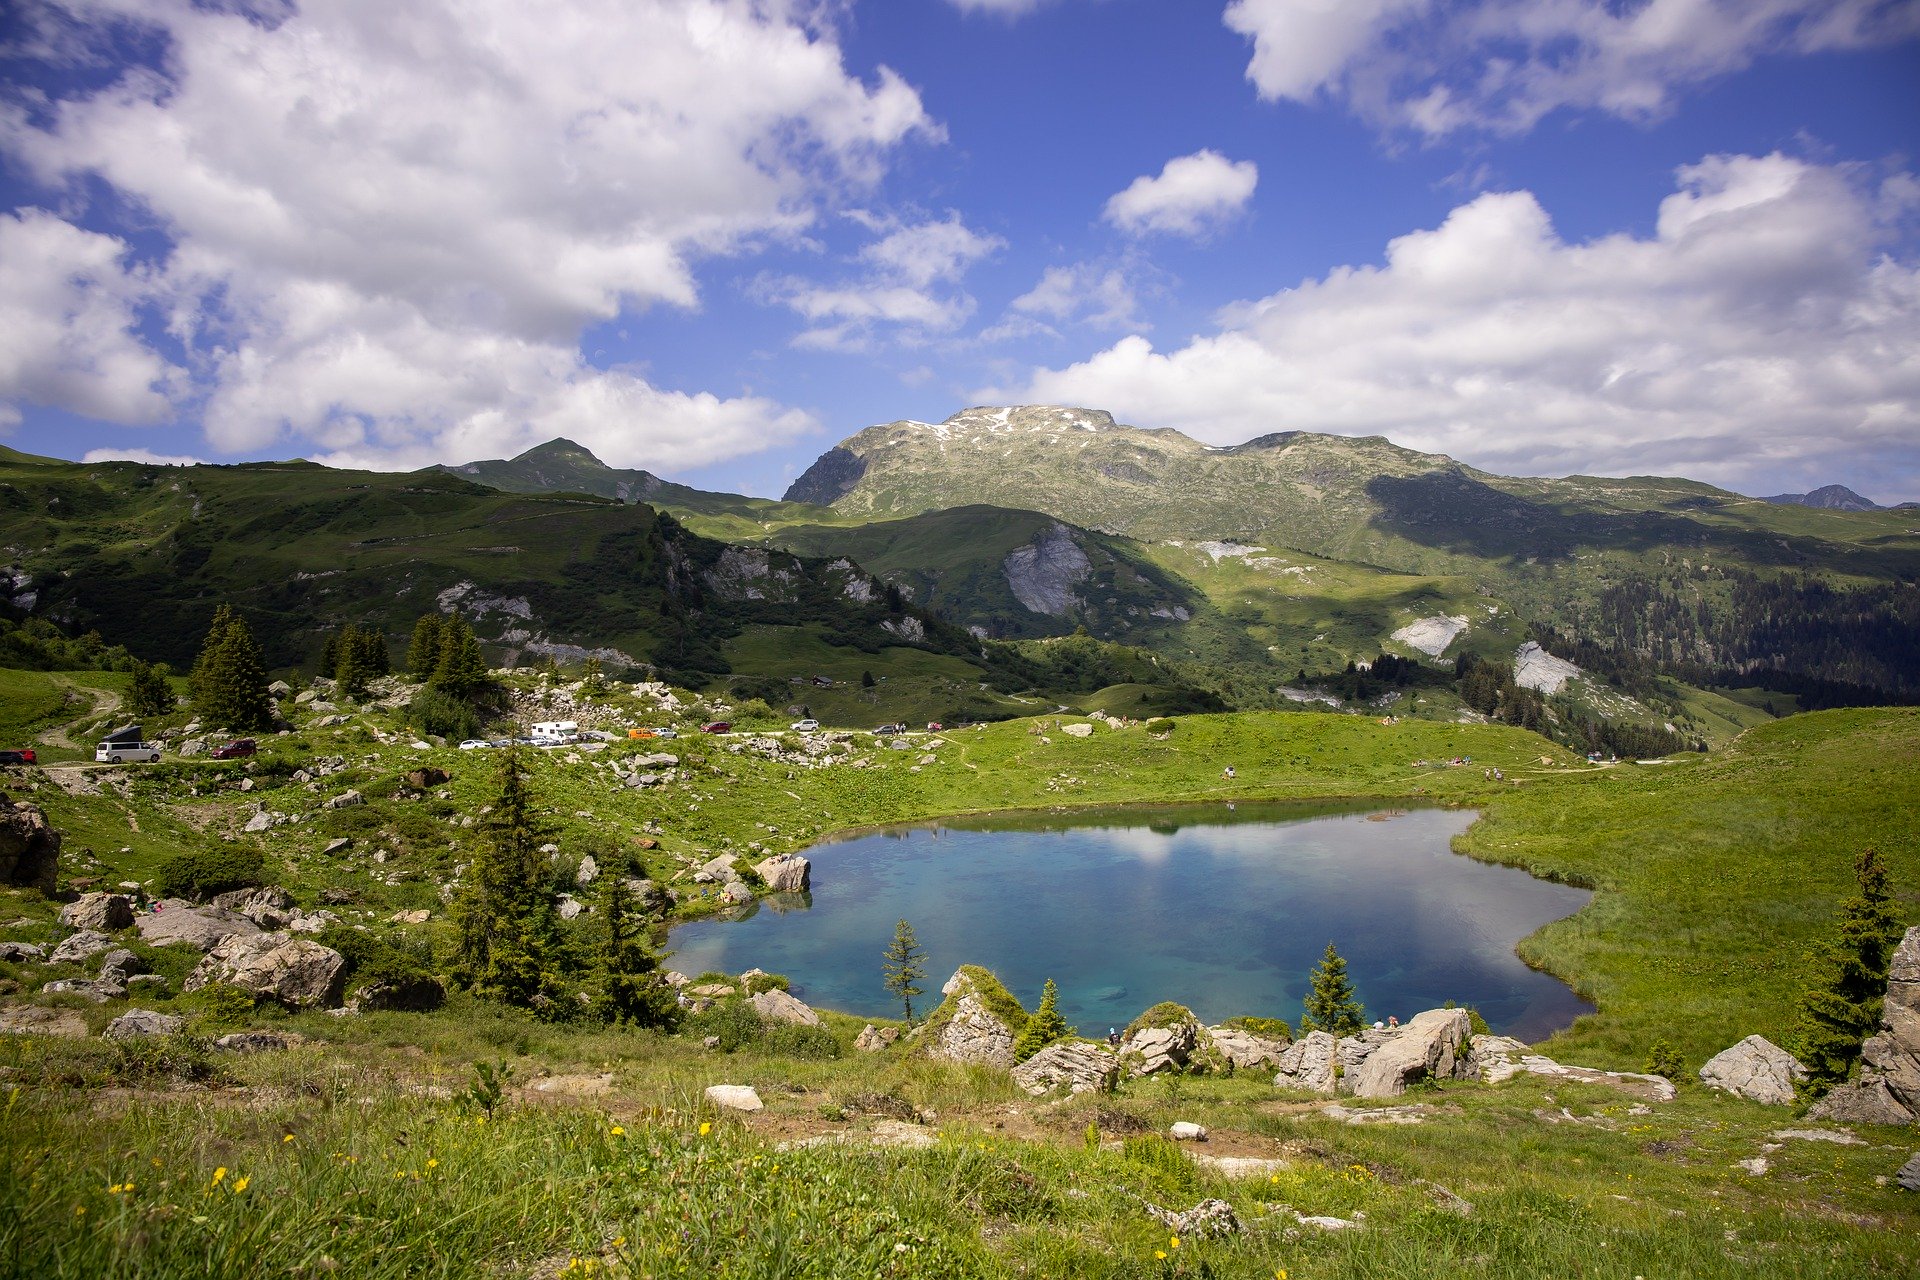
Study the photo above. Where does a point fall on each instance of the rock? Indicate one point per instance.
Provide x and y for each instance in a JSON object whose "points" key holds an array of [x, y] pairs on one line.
{"points": [[103, 911], [1909, 1175], [1889, 1083], [1862, 1101], [266, 907], [427, 776], [587, 872], [79, 946], [202, 927], [1308, 1063], [339, 844], [1496, 1064], [419, 916], [1150, 1050], [1425, 1049], [968, 1029], [1757, 1070], [193, 747], [1077, 730], [1077, 1067], [1415, 1114], [421, 994], [569, 907], [345, 800], [777, 1006], [1208, 1218], [720, 870], [1246, 1051], [93, 989], [135, 1024], [1754, 1167], [280, 689], [261, 821], [38, 1020], [29, 848], [120, 964], [873, 1039], [736, 893], [786, 873], [734, 1097], [1840, 1137], [15, 952], [1186, 1131], [295, 971], [251, 1042]]}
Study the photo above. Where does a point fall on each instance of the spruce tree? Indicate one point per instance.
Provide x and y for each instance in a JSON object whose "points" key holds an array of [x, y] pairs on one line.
{"points": [[1843, 1007], [904, 964], [1330, 1003], [373, 652], [461, 671], [149, 693], [629, 987], [351, 670], [423, 651], [1044, 1027], [504, 916], [229, 685]]}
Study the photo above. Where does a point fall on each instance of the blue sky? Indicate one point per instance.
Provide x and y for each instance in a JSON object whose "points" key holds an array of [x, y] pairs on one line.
{"points": [[713, 237]]}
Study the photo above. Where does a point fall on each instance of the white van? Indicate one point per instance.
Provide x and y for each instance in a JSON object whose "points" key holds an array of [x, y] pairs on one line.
{"points": [[555, 733], [124, 752]]}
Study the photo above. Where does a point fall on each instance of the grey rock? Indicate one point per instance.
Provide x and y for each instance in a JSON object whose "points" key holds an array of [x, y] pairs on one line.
{"points": [[204, 928], [29, 848], [193, 747], [135, 1024], [1861, 1102], [734, 1097], [1076, 1067], [1755, 1069], [569, 907], [1151, 1050], [79, 946], [873, 1039], [279, 689], [973, 1033], [1426, 1048], [1187, 1131], [1909, 1175], [1246, 1051], [97, 991], [778, 1006], [15, 952], [1888, 1089], [267, 907], [1309, 1063], [120, 964], [261, 821], [587, 872], [345, 800], [103, 911], [251, 1042], [411, 995], [720, 870], [339, 844], [39, 1020], [786, 873], [1208, 1218], [1496, 1066], [295, 971]]}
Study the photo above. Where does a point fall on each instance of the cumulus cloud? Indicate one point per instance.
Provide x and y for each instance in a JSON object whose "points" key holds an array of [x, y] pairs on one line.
{"points": [[1010, 8], [1503, 64], [1087, 292], [1762, 329], [910, 283], [1190, 195], [68, 300], [389, 225], [147, 456]]}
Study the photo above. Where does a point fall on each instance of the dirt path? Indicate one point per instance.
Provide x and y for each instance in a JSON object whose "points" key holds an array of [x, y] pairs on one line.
{"points": [[100, 701]]}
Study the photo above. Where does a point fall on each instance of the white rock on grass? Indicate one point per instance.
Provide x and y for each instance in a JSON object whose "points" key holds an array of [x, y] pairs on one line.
{"points": [[734, 1097], [1187, 1131], [1755, 1069]]}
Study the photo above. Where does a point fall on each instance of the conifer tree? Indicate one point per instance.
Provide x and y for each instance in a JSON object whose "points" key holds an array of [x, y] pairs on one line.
{"points": [[461, 671], [1843, 1007], [352, 668], [1330, 1005], [630, 987], [504, 916], [373, 651], [1044, 1027], [149, 693], [904, 964], [228, 683], [423, 651]]}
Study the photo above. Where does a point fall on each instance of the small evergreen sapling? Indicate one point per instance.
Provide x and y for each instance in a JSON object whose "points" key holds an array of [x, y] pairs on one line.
{"points": [[904, 965], [1044, 1027], [1330, 1003]]}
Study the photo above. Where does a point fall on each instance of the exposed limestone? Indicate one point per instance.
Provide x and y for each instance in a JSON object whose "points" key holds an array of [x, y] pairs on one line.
{"points": [[873, 1039], [87, 942], [1151, 1050], [965, 1027], [1043, 574], [29, 848], [1430, 636], [1245, 1051], [776, 1005], [1074, 1066], [1755, 1069], [137, 1024], [175, 920], [1888, 1090], [14, 952], [1187, 1131], [102, 911], [1497, 1064], [1426, 1048], [268, 907], [1208, 1218], [37, 1020], [1535, 668], [295, 971], [786, 873], [734, 1097], [1308, 1063]]}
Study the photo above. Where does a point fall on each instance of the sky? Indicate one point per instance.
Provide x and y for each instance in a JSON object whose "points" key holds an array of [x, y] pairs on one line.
{"points": [[712, 238]]}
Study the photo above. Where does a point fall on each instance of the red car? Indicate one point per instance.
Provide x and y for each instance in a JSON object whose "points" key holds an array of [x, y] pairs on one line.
{"points": [[718, 726], [235, 750], [23, 755]]}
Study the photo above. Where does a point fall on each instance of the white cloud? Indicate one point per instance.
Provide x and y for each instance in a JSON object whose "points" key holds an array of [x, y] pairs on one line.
{"points": [[1503, 64], [147, 456], [904, 267], [1191, 194], [393, 223], [1762, 329], [67, 313], [1010, 8], [1097, 295]]}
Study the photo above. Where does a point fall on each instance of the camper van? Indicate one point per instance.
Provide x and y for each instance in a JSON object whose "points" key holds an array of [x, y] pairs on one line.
{"points": [[123, 745], [555, 733]]}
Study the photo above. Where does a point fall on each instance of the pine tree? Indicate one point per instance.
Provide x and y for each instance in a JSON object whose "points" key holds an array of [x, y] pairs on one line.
{"points": [[630, 987], [461, 671], [1843, 1007], [423, 651], [1044, 1027], [149, 693], [373, 652], [1330, 1003], [504, 916], [351, 667], [904, 964], [228, 683]]}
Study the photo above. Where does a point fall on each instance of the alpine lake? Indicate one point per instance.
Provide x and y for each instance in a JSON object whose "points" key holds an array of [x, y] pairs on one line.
{"points": [[1225, 909]]}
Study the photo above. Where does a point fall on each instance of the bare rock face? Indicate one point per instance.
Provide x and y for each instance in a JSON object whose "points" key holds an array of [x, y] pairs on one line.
{"points": [[136, 1024], [1308, 1063], [973, 1032], [873, 1039], [1426, 1048], [1245, 1050], [1755, 1069], [102, 911], [29, 848], [777, 1006], [175, 920], [267, 907], [1043, 574], [1888, 1090], [1495, 1063], [1159, 1049], [1075, 1067], [294, 971], [786, 873], [77, 947]]}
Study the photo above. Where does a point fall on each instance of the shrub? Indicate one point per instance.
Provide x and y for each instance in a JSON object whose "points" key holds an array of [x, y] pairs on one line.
{"points": [[733, 1021], [792, 1040], [767, 982], [1664, 1060], [437, 712], [224, 1006], [1160, 724], [1268, 1028], [201, 873]]}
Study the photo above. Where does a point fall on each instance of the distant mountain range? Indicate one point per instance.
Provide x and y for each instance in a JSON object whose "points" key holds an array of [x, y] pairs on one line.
{"points": [[1833, 497]]}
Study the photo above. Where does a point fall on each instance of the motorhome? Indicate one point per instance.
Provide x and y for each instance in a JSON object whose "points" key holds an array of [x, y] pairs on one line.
{"points": [[555, 733]]}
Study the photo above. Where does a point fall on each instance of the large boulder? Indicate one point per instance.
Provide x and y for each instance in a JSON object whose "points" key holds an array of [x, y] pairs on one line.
{"points": [[1755, 1069], [1245, 1051], [1309, 1063], [977, 1022], [1425, 1049], [786, 873], [1075, 1066], [294, 971], [777, 1006], [1166, 1042], [137, 1024], [29, 848], [79, 946], [103, 911], [1888, 1090], [421, 993], [204, 928]]}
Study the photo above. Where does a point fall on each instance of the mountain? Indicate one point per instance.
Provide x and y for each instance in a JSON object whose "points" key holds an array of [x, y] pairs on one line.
{"points": [[1833, 497]]}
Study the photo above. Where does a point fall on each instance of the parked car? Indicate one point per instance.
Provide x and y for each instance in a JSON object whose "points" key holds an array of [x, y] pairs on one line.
{"points": [[805, 726], [20, 755], [665, 733], [888, 729], [235, 750], [475, 744], [718, 726], [642, 733], [128, 751]]}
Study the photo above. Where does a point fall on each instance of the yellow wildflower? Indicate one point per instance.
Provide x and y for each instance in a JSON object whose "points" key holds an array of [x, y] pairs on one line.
{"points": [[432, 1162], [219, 1176], [618, 1132], [288, 1138], [706, 1127], [1173, 1242], [1160, 1254], [240, 1184]]}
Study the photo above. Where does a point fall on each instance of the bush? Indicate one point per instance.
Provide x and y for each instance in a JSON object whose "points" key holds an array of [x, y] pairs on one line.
{"points": [[201, 873], [733, 1021], [792, 1040], [1268, 1028], [224, 1007], [1664, 1060], [767, 982], [436, 712], [1160, 725], [390, 958]]}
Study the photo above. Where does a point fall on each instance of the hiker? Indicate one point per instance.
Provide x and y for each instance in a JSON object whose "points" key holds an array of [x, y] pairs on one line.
{"points": [[1113, 1037], [1393, 1021], [1227, 772]]}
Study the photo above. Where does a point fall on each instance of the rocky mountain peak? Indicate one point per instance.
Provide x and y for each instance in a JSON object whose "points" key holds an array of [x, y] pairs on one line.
{"points": [[1006, 419]]}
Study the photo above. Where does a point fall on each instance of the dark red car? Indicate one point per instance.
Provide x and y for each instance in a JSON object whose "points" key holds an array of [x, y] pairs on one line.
{"points": [[718, 726], [235, 750], [23, 755]]}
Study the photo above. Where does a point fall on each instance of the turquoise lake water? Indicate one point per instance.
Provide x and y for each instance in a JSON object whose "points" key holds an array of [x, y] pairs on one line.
{"points": [[1223, 910]]}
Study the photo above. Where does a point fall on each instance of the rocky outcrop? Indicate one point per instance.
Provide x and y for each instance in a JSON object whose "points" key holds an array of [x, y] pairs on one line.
{"points": [[421, 994], [267, 907], [1309, 1063], [1496, 1061], [29, 848], [1043, 574], [14, 952], [786, 873], [1888, 1090], [103, 911], [1208, 1218], [776, 1005], [77, 947], [203, 928], [1535, 668], [1430, 636], [975, 1022], [136, 1024], [294, 971], [1427, 1048], [1071, 1065], [873, 1039], [1168, 1046], [1755, 1069], [1245, 1051]]}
